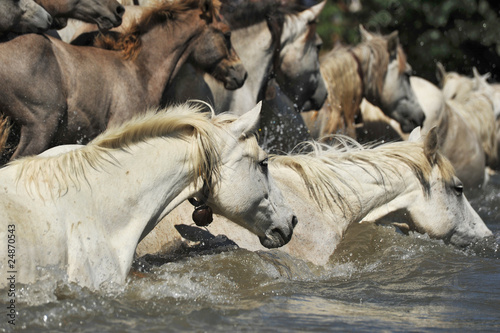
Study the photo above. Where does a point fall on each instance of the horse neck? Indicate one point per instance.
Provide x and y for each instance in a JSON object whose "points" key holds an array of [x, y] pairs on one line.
{"points": [[252, 45], [164, 50], [137, 200]]}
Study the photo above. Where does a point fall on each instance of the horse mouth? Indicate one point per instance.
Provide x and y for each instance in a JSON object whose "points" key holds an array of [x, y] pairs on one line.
{"points": [[106, 23], [233, 76], [278, 237]]}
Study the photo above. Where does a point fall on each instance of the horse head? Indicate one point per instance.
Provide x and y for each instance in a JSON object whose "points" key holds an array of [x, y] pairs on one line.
{"points": [[387, 79], [453, 85], [105, 13], [215, 54], [245, 192], [436, 203], [298, 70], [23, 16]]}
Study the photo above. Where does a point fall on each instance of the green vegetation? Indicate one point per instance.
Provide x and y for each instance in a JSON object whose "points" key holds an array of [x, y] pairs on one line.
{"points": [[460, 34]]}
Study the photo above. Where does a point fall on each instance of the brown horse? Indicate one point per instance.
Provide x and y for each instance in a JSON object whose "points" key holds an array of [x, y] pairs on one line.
{"points": [[105, 13], [23, 16], [375, 69], [75, 92]]}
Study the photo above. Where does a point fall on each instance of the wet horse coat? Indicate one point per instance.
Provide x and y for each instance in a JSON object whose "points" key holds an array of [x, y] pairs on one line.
{"points": [[83, 209]]}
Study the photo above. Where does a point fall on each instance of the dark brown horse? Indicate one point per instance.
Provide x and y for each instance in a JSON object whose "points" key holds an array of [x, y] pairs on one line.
{"points": [[57, 93], [105, 13], [23, 16]]}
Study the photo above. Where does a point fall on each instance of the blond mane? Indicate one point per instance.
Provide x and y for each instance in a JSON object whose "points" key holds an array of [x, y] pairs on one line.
{"points": [[323, 168], [181, 122], [129, 42]]}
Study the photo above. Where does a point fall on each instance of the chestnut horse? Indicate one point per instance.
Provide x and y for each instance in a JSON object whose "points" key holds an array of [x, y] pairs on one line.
{"points": [[375, 69], [23, 16], [75, 92]]}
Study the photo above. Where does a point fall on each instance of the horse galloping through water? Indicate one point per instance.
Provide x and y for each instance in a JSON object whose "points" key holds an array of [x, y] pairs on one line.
{"points": [[85, 208], [83, 89], [375, 69], [105, 13], [22, 16], [408, 184]]}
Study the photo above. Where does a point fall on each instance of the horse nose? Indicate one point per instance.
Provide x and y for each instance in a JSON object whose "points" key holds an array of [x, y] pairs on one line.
{"points": [[294, 221], [120, 10]]}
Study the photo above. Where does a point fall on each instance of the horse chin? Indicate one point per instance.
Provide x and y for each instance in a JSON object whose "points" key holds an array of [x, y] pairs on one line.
{"points": [[106, 23], [234, 76], [278, 237]]}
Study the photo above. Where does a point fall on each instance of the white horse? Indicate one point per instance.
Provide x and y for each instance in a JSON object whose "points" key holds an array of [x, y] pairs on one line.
{"points": [[477, 107], [23, 16], [458, 142], [84, 209], [407, 183]]}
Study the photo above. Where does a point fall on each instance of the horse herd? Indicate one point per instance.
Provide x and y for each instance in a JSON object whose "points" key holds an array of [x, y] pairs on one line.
{"points": [[112, 129]]}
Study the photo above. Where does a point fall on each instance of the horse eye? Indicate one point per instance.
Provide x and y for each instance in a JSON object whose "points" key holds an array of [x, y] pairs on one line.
{"points": [[459, 187], [263, 165]]}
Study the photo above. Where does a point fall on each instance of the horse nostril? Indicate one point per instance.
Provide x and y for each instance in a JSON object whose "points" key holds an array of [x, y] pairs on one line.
{"points": [[294, 221], [120, 10]]}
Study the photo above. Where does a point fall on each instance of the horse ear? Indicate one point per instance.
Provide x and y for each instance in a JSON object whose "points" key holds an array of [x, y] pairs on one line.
{"points": [[393, 43], [415, 135], [365, 35], [316, 9], [207, 8], [480, 80], [311, 14], [440, 74], [248, 123], [431, 144]]}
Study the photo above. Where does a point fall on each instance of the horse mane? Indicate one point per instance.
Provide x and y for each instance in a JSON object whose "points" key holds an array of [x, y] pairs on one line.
{"points": [[184, 122], [339, 69], [322, 169], [129, 42]]}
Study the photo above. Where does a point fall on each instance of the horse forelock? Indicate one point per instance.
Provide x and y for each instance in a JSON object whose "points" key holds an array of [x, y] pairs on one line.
{"points": [[182, 123], [129, 42]]}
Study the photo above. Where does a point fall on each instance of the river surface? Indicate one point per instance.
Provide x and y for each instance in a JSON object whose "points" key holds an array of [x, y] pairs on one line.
{"points": [[378, 280]]}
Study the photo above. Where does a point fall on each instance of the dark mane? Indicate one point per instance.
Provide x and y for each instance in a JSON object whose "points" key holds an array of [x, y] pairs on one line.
{"points": [[129, 42]]}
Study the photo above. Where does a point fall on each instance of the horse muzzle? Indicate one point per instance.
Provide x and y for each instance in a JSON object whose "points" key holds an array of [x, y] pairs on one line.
{"points": [[235, 77], [278, 237], [408, 115]]}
